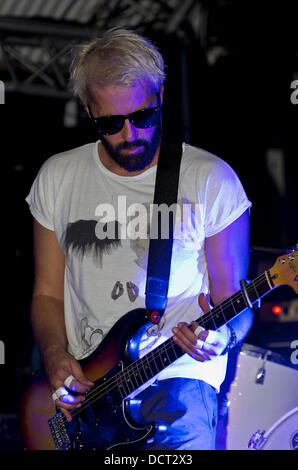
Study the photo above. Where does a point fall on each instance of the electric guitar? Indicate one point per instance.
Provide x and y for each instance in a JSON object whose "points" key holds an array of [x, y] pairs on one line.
{"points": [[104, 421]]}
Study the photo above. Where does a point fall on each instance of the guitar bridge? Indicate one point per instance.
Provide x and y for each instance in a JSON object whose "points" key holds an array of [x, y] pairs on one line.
{"points": [[59, 432]]}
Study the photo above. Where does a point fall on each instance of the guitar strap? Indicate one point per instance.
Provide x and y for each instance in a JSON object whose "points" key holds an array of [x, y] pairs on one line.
{"points": [[162, 228]]}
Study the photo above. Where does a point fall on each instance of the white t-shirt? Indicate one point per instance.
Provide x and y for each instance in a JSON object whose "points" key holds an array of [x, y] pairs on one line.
{"points": [[76, 196]]}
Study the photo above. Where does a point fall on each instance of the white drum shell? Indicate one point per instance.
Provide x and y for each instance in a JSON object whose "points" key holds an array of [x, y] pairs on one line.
{"points": [[253, 406]]}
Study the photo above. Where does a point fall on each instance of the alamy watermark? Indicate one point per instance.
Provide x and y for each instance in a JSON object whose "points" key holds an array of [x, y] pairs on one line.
{"points": [[294, 355], [2, 92], [139, 221], [294, 94], [2, 353]]}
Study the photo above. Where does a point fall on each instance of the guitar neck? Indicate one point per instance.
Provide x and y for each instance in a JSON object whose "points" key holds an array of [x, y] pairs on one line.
{"points": [[144, 369], [231, 307]]}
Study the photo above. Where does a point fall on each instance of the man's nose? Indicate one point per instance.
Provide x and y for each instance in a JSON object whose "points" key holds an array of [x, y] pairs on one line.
{"points": [[129, 131]]}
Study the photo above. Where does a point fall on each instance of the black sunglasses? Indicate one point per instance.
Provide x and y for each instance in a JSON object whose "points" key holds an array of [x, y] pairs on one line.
{"points": [[143, 119]]}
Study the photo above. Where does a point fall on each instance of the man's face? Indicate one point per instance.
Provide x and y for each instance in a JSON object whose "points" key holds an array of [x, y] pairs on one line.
{"points": [[132, 148]]}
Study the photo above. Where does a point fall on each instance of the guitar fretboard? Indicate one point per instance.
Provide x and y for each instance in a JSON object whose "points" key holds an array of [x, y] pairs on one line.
{"points": [[142, 370]]}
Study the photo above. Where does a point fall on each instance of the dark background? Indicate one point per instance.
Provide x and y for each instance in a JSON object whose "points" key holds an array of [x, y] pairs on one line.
{"points": [[238, 108]]}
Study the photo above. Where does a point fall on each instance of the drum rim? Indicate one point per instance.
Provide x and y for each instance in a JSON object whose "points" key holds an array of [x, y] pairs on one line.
{"points": [[262, 353], [278, 423]]}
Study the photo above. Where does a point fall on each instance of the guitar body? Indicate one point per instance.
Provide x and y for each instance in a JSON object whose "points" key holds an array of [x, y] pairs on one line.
{"points": [[101, 423]]}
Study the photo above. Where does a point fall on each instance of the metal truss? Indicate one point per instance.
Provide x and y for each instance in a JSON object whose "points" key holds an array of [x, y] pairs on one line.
{"points": [[34, 51]]}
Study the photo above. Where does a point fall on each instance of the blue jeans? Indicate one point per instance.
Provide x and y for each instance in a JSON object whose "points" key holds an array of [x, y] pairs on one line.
{"points": [[186, 409]]}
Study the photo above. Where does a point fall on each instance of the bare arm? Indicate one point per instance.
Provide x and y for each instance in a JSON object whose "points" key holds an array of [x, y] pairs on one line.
{"points": [[47, 316], [47, 312], [227, 256]]}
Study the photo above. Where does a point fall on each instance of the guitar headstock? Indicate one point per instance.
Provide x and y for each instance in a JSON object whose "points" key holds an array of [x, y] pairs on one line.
{"points": [[285, 270]]}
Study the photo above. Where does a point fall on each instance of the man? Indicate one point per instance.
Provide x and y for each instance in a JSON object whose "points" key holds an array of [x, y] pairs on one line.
{"points": [[84, 282]]}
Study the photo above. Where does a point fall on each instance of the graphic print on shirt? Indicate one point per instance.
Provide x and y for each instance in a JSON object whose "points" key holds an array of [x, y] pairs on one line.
{"points": [[131, 289], [97, 239], [81, 237], [117, 290], [90, 336], [151, 336]]}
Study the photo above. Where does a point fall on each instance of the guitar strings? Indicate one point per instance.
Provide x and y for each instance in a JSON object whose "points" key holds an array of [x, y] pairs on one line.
{"points": [[104, 388]]}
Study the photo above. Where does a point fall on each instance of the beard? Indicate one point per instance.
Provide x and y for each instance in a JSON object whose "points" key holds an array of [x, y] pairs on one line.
{"points": [[137, 161]]}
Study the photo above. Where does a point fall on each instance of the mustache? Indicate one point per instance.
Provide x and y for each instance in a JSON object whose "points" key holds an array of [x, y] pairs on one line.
{"points": [[132, 145]]}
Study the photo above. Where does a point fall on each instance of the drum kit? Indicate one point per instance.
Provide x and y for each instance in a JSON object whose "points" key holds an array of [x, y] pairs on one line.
{"points": [[258, 402]]}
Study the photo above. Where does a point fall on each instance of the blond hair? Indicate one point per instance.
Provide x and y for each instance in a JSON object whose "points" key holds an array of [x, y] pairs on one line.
{"points": [[120, 58]]}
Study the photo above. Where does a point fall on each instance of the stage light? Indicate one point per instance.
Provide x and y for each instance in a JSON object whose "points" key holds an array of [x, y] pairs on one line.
{"points": [[276, 310]]}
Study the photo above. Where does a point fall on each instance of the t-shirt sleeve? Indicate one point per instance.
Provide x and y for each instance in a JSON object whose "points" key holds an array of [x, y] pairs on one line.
{"points": [[41, 196], [225, 198]]}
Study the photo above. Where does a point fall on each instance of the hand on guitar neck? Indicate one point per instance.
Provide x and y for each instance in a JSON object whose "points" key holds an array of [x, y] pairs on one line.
{"points": [[202, 345]]}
